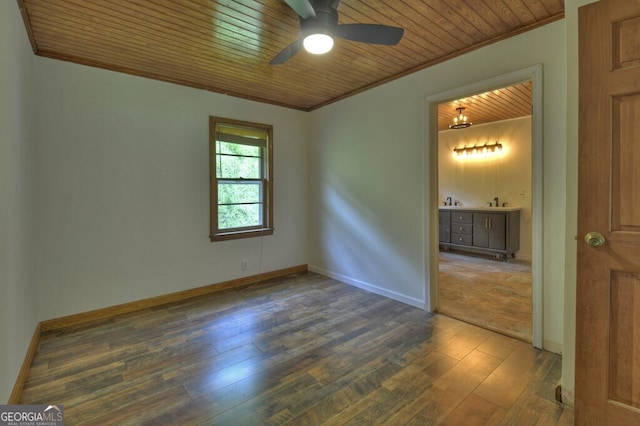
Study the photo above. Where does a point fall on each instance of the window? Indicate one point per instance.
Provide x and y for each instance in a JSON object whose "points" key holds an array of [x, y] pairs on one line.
{"points": [[241, 179]]}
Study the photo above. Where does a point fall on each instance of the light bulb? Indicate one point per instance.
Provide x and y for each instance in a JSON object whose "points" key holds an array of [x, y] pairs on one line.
{"points": [[318, 43]]}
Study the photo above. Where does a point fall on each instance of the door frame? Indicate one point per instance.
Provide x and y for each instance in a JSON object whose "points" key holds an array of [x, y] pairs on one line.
{"points": [[535, 74]]}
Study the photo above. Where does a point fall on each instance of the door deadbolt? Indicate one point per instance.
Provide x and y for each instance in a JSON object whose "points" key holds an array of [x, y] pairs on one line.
{"points": [[594, 239]]}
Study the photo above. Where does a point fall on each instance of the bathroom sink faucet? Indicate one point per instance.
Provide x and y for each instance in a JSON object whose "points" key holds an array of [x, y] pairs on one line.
{"points": [[496, 200], [448, 201]]}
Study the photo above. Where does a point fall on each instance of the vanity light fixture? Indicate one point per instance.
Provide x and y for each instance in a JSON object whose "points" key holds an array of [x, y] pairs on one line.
{"points": [[460, 121], [478, 150]]}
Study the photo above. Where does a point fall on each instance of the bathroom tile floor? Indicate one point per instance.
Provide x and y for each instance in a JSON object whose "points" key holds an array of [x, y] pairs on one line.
{"points": [[487, 292]]}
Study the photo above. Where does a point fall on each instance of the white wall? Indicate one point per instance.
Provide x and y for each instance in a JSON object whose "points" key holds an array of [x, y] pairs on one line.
{"points": [[366, 191], [18, 316], [367, 183], [474, 182], [123, 189]]}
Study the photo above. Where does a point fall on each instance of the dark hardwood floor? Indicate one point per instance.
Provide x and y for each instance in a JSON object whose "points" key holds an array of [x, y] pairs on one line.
{"points": [[486, 292], [301, 350]]}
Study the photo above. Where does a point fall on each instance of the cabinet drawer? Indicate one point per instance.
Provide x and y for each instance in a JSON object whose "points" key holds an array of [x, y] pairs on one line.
{"points": [[462, 228], [465, 239], [461, 217]]}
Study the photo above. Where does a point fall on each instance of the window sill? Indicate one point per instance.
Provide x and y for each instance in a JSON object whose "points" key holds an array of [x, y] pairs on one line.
{"points": [[236, 235]]}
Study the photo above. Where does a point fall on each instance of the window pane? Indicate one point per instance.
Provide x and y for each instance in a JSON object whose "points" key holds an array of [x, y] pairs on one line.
{"points": [[238, 149], [239, 192], [238, 216], [237, 167]]}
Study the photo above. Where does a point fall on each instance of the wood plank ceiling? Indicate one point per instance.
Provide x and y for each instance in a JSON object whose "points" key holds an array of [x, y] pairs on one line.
{"points": [[495, 105], [225, 46]]}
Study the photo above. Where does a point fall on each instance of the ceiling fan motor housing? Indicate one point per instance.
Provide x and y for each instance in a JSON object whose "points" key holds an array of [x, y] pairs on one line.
{"points": [[325, 22]]}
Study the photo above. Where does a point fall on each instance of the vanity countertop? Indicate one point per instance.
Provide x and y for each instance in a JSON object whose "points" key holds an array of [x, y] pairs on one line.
{"points": [[479, 208]]}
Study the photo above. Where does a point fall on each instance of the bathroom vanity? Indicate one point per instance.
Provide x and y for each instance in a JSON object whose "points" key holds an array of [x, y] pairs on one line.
{"points": [[489, 230]]}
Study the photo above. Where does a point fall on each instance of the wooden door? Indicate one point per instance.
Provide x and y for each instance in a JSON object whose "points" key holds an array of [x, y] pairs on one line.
{"points": [[608, 289]]}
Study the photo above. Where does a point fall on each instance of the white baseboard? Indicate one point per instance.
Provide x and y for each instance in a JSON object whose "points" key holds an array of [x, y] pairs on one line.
{"points": [[411, 301], [550, 346], [568, 397]]}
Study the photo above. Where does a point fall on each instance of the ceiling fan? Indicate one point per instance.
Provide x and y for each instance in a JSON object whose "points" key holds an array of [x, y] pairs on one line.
{"points": [[319, 25]]}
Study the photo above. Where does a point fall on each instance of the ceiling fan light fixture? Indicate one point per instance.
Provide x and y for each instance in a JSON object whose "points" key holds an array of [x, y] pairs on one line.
{"points": [[319, 26], [318, 43]]}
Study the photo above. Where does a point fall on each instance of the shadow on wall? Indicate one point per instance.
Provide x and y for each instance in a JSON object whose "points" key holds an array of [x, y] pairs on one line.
{"points": [[355, 239]]}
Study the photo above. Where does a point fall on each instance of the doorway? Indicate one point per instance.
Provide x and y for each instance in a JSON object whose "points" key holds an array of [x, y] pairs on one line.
{"points": [[433, 202], [484, 185]]}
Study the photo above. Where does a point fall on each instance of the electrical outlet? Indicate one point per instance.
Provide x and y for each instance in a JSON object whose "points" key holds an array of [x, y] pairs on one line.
{"points": [[244, 264]]}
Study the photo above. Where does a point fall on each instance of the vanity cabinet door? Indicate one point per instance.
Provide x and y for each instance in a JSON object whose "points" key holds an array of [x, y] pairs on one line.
{"points": [[444, 226], [481, 230], [497, 231], [489, 230]]}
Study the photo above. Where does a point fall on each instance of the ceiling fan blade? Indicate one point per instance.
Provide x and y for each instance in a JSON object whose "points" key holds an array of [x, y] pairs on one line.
{"points": [[287, 53], [303, 8], [370, 33]]}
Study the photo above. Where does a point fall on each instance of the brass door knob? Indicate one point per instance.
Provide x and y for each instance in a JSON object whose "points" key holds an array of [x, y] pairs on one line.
{"points": [[594, 239]]}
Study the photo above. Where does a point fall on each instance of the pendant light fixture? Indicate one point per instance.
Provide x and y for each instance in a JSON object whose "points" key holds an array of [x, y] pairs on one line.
{"points": [[460, 121]]}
